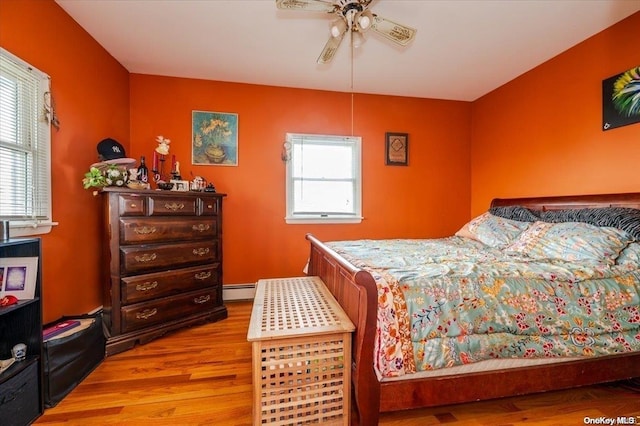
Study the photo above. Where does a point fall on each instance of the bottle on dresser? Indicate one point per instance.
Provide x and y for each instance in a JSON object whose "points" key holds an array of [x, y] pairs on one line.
{"points": [[143, 172]]}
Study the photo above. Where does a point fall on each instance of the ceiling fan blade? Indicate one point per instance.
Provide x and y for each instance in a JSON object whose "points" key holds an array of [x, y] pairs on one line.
{"points": [[395, 32], [311, 5], [330, 49]]}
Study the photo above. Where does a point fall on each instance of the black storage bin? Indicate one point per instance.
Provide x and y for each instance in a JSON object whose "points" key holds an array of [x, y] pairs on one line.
{"points": [[19, 399], [68, 360]]}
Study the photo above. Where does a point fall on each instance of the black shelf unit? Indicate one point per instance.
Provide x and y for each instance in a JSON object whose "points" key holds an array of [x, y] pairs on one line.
{"points": [[21, 392]]}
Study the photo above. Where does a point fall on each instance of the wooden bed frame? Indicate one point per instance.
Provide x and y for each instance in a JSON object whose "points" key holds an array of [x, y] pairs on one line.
{"points": [[355, 290]]}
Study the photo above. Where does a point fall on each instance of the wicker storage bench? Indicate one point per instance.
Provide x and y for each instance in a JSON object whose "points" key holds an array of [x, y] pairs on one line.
{"points": [[301, 344]]}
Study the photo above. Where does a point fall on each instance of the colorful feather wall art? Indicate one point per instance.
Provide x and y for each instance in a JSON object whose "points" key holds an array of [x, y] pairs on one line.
{"points": [[626, 93], [621, 99]]}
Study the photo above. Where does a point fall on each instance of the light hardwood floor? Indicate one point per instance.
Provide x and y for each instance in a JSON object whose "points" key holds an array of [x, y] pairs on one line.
{"points": [[202, 376]]}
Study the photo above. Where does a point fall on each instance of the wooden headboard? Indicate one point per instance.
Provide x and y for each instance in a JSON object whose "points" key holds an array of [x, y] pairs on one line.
{"points": [[630, 200]]}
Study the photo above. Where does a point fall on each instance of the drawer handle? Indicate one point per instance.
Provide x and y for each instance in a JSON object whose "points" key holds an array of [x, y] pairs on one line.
{"points": [[201, 251], [147, 313], [201, 299], [147, 286], [145, 230], [133, 205], [146, 257], [202, 275], [174, 206], [201, 227]]}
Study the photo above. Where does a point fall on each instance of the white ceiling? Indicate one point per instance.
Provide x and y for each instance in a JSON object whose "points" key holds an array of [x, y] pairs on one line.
{"points": [[463, 48]]}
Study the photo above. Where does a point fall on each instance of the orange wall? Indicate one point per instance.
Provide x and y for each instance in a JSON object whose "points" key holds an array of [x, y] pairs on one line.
{"points": [[430, 197], [91, 92], [540, 134]]}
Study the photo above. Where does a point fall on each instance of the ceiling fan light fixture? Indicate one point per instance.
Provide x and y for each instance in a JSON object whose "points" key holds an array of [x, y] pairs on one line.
{"points": [[338, 27], [364, 19], [358, 39], [351, 16]]}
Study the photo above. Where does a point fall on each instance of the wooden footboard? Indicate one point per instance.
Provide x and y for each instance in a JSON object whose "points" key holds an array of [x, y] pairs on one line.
{"points": [[355, 290]]}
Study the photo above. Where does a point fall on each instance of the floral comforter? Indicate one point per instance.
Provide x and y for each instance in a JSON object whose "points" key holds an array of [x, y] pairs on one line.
{"points": [[453, 301]]}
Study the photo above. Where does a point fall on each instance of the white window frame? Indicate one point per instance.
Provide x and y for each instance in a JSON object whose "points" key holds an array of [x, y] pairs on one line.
{"points": [[293, 216], [33, 138]]}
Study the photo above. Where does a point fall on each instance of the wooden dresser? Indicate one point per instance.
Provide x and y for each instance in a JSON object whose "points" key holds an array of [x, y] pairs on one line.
{"points": [[163, 263]]}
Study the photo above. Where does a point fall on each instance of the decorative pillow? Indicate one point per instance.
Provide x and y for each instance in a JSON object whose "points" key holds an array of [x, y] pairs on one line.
{"points": [[571, 241], [520, 213], [492, 230], [623, 218]]}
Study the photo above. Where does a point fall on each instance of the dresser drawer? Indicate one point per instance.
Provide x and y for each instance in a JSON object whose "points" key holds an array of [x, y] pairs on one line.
{"points": [[209, 206], [135, 259], [169, 283], [132, 204], [143, 315], [172, 205], [143, 230]]}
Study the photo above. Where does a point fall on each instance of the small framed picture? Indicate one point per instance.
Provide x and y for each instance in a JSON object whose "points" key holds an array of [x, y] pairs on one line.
{"points": [[18, 277], [397, 149], [180, 185]]}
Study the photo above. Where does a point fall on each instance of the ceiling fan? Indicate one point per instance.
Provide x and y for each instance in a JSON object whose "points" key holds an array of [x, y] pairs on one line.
{"points": [[353, 16]]}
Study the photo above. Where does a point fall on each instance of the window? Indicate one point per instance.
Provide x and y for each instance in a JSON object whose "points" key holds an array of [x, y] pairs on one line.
{"points": [[324, 183], [25, 138]]}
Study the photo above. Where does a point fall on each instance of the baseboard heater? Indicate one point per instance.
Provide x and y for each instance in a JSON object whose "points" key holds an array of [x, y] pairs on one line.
{"points": [[238, 291]]}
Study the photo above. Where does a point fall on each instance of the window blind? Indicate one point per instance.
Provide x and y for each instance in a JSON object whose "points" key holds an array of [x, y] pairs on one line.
{"points": [[24, 142]]}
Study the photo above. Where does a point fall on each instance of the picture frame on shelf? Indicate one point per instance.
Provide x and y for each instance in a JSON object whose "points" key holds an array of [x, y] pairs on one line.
{"points": [[396, 149], [18, 277], [180, 185]]}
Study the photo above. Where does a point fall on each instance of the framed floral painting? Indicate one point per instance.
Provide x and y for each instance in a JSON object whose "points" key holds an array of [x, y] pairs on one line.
{"points": [[214, 138]]}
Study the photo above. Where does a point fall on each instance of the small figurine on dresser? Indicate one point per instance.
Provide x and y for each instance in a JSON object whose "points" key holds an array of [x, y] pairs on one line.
{"points": [[176, 171], [198, 183], [133, 174], [159, 154]]}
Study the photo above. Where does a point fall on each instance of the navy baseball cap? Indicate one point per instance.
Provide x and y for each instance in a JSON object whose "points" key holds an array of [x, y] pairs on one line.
{"points": [[110, 149]]}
